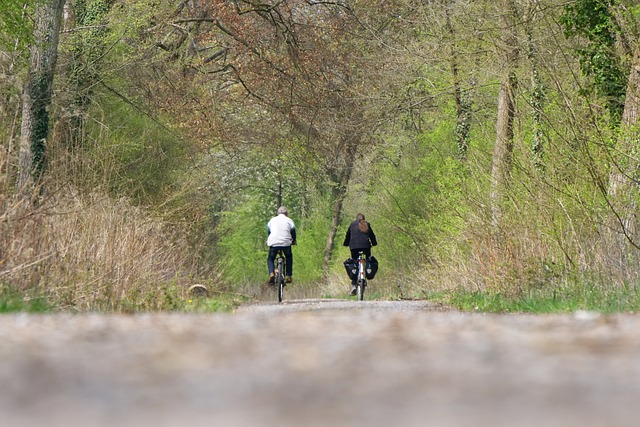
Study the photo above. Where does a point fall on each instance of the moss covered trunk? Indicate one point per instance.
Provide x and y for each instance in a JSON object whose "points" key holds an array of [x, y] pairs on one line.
{"points": [[37, 94]]}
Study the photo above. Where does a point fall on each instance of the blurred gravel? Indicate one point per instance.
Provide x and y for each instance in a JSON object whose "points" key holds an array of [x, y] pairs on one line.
{"points": [[320, 363]]}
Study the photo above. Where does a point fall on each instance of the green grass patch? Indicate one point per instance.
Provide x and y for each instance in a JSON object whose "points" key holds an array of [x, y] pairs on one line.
{"points": [[12, 300], [562, 300], [224, 303], [169, 298]]}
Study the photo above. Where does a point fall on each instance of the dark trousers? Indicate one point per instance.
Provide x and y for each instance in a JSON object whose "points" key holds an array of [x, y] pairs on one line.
{"points": [[354, 252], [288, 259]]}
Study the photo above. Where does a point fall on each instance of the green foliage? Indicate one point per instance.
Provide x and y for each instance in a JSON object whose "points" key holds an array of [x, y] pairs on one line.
{"points": [[16, 23], [129, 23], [242, 245], [418, 198], [87, 52], [312, 241], [133, 154], [594, 21]]}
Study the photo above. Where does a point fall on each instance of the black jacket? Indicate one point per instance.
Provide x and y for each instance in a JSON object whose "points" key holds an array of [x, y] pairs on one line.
{"points": [[356, 239]]}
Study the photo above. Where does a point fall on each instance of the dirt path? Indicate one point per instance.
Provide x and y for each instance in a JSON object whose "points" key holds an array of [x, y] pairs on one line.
{"points": [[320, 363]]}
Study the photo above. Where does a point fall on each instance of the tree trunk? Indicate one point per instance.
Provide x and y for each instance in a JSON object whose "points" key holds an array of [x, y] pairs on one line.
{"points": [[538, 94], [338, 197], [338, 194], [503, 148], [461, 96], [623, 188], [37, 94]]}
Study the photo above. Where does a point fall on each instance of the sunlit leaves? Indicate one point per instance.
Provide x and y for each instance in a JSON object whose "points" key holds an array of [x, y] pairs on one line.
{"points": [[16, 23]]}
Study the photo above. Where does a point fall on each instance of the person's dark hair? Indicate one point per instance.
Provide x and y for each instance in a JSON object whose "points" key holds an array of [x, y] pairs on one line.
{"points": [[362, 223]]}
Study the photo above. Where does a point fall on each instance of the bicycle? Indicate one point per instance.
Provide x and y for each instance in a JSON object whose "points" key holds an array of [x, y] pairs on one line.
{"points": [[361, 281], [280, 274]]}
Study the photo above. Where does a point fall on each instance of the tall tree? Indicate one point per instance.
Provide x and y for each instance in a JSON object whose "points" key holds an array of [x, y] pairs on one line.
{"points": [[15, 35], [624, 191], [461, 94], [610, 56], [503, 149], [537, 97], [37, 93], [623, 183]]}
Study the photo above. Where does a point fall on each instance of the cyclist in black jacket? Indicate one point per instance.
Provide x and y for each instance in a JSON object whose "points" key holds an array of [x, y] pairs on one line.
{"points": [[360, 238]]}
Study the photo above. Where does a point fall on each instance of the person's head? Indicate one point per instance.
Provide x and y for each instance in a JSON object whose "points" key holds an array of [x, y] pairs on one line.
{"points": [[362, 223], [283, 210]]}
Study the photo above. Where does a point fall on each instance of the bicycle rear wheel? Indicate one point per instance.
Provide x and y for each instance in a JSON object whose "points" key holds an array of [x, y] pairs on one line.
{"points": [[360, 289], [280, 279]]}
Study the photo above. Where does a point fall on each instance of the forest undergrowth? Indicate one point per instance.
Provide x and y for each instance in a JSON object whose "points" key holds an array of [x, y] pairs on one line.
{"points": [[89, 252]]}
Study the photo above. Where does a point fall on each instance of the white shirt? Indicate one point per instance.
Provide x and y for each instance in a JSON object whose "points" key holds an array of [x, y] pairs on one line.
{"points": [[280, 228]]}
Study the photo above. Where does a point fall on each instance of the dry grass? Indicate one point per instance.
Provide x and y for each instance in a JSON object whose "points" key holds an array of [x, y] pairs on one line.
{"points": [[523, 257], [89, 252]]}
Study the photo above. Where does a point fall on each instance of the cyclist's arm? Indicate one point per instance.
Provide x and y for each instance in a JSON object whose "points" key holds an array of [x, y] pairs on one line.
{"points": [[347, 238], [293, 236], [372, 236]]}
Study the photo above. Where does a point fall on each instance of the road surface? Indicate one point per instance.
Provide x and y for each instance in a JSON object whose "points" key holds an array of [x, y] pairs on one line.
{"points": [[320, 363]]}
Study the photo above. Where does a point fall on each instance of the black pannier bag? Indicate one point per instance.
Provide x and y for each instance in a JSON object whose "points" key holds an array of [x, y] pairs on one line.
{"points": [[352, 268], [372, 267]]}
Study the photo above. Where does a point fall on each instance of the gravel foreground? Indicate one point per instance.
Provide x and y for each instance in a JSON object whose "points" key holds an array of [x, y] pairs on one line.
{"points": [[320, 363]]}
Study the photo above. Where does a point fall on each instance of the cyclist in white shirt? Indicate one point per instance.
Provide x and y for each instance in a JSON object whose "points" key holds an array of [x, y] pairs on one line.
{"points": [[281, 234]]}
